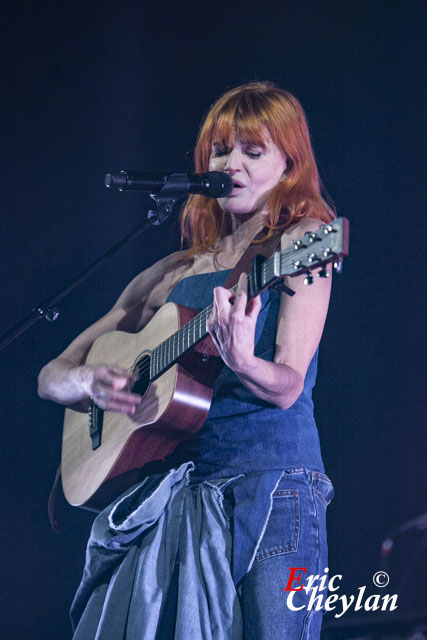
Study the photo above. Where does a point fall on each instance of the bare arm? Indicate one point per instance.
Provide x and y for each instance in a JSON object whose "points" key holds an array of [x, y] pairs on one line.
{"points": [[299, 329], [67, 380]]}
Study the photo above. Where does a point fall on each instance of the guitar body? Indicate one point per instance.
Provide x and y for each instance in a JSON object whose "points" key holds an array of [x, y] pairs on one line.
{"points": [[174, 407]]}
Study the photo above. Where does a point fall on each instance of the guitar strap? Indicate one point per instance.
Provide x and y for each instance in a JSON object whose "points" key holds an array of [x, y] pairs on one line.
{"points": [[52, 507], [244, 265]]}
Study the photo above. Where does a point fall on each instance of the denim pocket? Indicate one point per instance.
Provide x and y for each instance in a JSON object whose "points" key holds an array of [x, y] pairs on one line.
{"points": [[282, 529], [322, 487]]}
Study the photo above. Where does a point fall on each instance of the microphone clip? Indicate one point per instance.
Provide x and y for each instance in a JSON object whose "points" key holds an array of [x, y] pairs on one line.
{"points": [[163, 208], [164, 202]]}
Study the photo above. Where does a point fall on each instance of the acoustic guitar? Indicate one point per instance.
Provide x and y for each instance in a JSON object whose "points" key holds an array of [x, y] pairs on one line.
{"points": [[104, 453]]}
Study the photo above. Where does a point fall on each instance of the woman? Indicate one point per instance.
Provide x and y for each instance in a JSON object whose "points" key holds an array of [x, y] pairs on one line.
{"points": [[205, 548]]}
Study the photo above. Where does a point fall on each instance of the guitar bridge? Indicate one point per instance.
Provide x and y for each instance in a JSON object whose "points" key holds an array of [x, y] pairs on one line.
{"points": [[96, 419]]}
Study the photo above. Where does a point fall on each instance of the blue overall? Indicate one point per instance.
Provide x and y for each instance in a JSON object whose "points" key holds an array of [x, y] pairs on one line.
{"points": [[204, 550]]}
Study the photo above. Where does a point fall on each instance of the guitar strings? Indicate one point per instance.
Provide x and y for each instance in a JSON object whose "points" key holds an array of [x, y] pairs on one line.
{"points": [[172, 341], [287, 267]]}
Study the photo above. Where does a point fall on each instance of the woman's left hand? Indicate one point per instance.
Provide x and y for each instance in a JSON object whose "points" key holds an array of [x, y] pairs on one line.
{"points": [[232, 323]]}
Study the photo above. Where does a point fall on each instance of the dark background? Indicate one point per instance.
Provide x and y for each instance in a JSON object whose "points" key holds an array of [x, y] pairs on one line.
{"points": [[95, 87]]}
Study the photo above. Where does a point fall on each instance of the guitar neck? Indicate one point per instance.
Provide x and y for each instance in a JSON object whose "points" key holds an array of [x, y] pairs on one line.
{"points": [[328, 244], [168, 352]]}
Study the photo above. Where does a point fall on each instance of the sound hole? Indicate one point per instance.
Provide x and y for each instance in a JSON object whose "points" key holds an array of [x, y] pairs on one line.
{"points": [[142, 368]]}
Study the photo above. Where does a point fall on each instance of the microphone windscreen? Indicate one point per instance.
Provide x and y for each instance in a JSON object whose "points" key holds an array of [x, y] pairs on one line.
{"points": [[218, 184]]}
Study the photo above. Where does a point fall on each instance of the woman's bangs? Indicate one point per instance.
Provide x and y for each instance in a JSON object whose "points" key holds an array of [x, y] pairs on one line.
{"points": [[244, 123]]}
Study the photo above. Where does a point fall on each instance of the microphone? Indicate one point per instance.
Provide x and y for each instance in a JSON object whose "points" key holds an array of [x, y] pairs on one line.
{"points": [[213, 184]]}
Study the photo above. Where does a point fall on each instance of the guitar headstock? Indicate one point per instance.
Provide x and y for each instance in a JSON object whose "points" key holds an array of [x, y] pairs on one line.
{"points": [[329, 243]]}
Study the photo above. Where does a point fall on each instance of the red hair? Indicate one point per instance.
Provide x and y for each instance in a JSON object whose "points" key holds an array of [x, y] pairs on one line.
{"points": [[249, 110]]}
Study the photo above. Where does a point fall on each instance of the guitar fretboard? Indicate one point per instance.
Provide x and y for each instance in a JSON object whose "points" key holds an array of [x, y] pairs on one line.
{"points": [[168, 351], [327, 244]]}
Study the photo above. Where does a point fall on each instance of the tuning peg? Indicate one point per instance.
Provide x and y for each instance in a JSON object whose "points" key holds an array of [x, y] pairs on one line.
{"points": [[280, 286], [323, 273], [327, 228], [297, 264], [298, 244], [338, 265], [308, 278], [311, 236]]}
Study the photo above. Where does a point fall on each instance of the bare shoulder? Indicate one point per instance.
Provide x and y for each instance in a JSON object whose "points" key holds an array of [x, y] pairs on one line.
{"points": [[152, 286]]}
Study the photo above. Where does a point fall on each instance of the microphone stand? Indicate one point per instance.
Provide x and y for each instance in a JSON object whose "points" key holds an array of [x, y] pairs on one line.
{"points": [[164, 202]]}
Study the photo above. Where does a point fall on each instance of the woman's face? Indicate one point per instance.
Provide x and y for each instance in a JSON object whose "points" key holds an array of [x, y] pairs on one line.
{"points": [[254, 170]]}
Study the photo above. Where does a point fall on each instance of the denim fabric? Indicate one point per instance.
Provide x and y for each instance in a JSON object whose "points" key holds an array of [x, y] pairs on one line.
{"points": [[158, 566], [295, 536], [243, 432], [159, 560]]}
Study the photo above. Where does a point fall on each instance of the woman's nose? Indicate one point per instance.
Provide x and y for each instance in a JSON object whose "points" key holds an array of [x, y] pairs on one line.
{"points": [[234, 161]]}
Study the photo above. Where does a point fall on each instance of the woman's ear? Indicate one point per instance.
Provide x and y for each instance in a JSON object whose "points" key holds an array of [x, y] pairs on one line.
{"points": [[289, 165]]}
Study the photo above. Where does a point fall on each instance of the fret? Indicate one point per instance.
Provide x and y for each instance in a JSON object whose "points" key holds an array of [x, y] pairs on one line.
{"points": [[264, 273], [153, 359], [151, 366], [276, 258], [164, 358], [249, 281], [189, 334], [159, 357]]}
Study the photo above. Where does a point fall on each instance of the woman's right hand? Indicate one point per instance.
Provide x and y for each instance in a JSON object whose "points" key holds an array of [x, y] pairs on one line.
{"points": [[109, 385], [64, 382]]}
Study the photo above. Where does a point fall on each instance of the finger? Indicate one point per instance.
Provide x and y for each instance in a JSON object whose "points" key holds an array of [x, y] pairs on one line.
{"points": [[254, 307], [131, 375], [214, 312], [211, 322], [222, 297], [220, 312], [117, 407], [241, 294], [119, 370], [215, 339], [107, 394], [114, 377]]}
